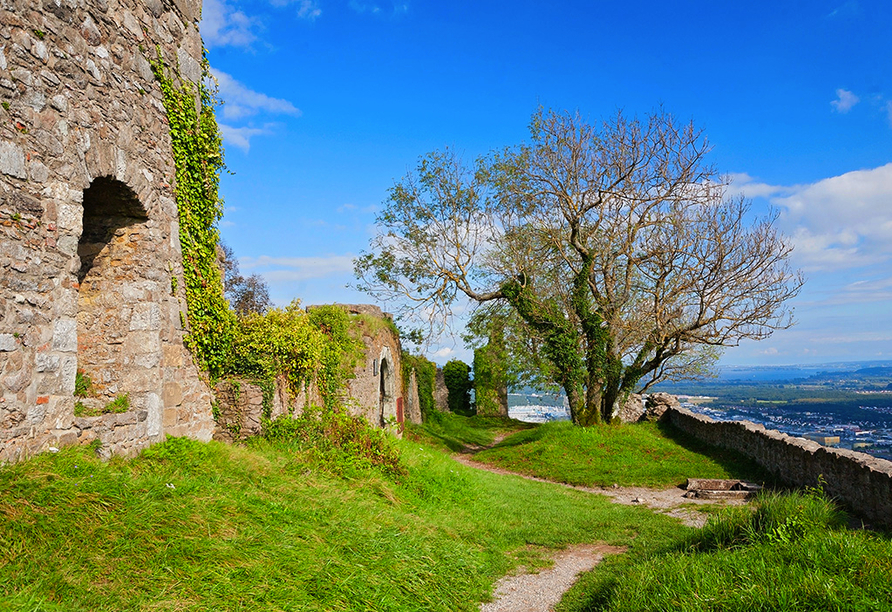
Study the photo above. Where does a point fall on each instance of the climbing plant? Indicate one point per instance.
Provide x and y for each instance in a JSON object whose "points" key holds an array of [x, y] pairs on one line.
{"points": [[490, 378], [425, 376], [198, 160], [320, 347]]}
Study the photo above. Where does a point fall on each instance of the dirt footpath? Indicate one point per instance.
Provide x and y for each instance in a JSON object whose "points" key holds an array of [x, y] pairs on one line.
{"points": [[671, 502]]}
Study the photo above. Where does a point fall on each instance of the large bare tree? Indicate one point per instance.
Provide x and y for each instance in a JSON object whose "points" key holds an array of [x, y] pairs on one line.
{"points": [[613, 247]]}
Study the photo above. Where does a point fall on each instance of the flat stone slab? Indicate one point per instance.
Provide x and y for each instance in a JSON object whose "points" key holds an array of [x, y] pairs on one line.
{"points": [[718, 484]]}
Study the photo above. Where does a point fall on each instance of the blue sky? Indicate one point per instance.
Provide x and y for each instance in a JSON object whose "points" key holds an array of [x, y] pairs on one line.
{"points": [[328, 102]]}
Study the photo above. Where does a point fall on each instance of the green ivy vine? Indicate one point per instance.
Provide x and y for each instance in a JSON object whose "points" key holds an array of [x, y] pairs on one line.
{"points": [[320, 347], [198, 159]]}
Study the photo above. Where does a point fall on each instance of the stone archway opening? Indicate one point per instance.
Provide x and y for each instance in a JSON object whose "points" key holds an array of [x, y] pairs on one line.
{"points": [[386, 395], [114, 221]]}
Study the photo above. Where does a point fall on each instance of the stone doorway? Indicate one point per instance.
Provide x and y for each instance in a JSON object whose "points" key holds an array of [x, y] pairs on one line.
{"points": [[113, 313]]}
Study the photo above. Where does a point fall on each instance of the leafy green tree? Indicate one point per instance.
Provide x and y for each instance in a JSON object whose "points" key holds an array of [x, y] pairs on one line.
{"points": [[457, 376], [611, 249]]}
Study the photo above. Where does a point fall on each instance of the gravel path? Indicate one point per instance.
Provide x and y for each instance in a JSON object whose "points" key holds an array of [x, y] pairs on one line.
{"points": [[541, 592], [667, 501]]}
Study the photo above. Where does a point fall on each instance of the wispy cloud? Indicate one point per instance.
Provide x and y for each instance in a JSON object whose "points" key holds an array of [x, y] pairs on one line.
{"points": [[223, 25], [241, 136], [744, 184], [889, 112], [283, 269], [836, 223], [845, 100], [373, 8], [364, 7], [306, 9], [845, 10], [240, 101]]}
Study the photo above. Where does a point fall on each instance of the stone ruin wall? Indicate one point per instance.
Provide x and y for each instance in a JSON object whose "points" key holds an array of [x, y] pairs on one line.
{"points": [[376, 392], [88, 225], [862, 482]]}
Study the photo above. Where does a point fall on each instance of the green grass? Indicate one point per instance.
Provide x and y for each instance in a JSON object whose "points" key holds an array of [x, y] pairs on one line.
{"points": [[789, 553], [457, 433], [643, 454], [276, 526], [364, 523], [120, 404]]}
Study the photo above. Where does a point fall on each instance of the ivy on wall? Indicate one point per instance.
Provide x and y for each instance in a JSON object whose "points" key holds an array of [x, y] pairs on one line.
{"points": [[490, 378], [198, 158], [320, 347]]}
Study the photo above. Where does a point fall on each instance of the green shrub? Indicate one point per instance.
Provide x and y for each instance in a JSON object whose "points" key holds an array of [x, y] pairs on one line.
{"points": [[776, 519], [320, 346], [338, 439], [456, 375]]}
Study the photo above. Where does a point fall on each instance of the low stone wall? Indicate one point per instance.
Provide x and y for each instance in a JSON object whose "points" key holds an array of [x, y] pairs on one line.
{"points": [[862, 482]]}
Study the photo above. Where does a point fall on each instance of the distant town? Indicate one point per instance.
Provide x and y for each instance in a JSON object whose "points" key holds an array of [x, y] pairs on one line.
{"points": [[845, 405]]}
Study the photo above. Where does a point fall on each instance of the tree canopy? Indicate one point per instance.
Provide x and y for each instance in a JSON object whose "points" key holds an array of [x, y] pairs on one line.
{"points": [[609, 252]]}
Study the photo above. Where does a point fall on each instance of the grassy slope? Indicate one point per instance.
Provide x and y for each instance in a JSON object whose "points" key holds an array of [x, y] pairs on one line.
{"points": [[790, 553], [644, 454], [192, 526]]}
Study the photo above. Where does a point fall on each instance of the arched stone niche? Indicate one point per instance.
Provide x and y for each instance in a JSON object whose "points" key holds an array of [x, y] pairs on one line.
{"points": [[114, 316], [387, 394]]}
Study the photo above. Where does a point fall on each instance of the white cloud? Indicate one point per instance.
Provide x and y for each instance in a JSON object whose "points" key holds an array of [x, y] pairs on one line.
{"points": [[241, 136], [840, 222], [239, 101], [845, 100], [306, 9], [284, 269], [222, 25], [443, 352], [743, 183]]}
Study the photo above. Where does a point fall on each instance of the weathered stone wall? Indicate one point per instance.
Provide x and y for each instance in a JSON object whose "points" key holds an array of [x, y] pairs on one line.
{"points": [[88, 224], [240, 408], [441, 393], [862, 482], [412, 400], [376, 390]]}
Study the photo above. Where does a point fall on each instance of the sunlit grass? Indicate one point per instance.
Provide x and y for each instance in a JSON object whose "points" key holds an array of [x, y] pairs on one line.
{"points": [[191, 526], [789, 552], [641, 454]]}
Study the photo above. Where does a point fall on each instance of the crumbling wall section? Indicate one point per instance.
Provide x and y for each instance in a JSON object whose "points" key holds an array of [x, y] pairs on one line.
{"points": [[79, 107], [412, 400], [862, 482], [240, 407], [375, 392]]}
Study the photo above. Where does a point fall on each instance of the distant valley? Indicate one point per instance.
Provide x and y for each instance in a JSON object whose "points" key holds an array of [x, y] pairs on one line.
{"points": [[849, 401]]}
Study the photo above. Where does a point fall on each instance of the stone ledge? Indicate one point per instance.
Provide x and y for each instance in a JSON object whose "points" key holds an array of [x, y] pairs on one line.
{"points": [[861, 481]]}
